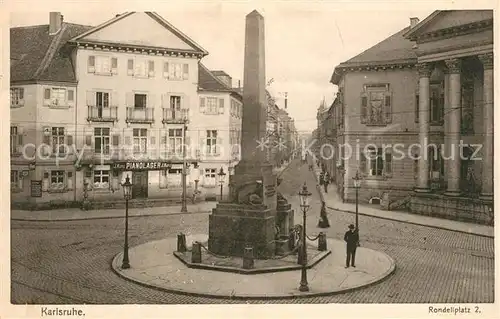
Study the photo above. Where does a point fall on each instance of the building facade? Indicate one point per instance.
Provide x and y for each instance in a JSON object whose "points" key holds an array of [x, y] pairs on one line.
{"points": [[430, 85], [92, 105]]}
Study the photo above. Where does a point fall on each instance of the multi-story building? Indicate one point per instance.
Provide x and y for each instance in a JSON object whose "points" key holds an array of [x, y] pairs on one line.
{"points": [[428, 84], [218, 127], [101, 103]]}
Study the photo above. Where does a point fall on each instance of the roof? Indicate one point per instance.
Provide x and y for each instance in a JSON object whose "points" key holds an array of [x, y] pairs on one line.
{"points": [[219, 73], [153, 15], [395, 49], [207, 81], [38, 56]]}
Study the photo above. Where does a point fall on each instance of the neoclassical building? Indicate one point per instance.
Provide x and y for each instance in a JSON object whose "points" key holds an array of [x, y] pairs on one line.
{"points": [[431, 84]]}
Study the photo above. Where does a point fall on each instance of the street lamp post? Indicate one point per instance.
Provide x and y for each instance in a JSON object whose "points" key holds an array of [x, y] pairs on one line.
{"points": [[127, 194], [184, 168], [222, 176], [304, 195], [357, 185]]}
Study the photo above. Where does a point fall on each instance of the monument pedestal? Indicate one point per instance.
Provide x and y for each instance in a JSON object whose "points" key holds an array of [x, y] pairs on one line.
{"points": [[232, 227]]}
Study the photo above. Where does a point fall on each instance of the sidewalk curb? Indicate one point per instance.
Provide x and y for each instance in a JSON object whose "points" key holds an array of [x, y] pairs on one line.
{"points": [[393, 219], [107, 217], [412, 223]]}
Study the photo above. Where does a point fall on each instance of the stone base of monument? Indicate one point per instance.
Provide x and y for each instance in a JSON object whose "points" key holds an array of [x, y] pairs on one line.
{"points": [[286, 262], [233, 227]]}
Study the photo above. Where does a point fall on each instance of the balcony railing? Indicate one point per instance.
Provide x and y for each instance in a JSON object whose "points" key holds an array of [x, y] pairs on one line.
{"points": [[140, 115], [173, 116], [102, 114]]}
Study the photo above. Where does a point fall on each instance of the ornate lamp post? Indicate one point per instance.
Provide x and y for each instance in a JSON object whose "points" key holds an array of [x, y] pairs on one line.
{"points": [[127, 194], [304, 195], [357, 185], [184, 166], [222, 176]]}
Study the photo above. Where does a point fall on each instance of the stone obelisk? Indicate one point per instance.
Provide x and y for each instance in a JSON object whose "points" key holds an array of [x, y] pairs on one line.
{"points": [[242, 223]]}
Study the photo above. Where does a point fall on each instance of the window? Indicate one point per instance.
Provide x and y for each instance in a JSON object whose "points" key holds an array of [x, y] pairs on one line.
{"points": [[376, 105], [467, 124], [437, 105], [211, 146], [212, 105], [140, 140], [101, 139], [61, 97], [376, 163], [140, 101], [14, 179], [58, 140], [102, 99], [175, 142], [141, 69], [101, 179], [210, 177], [16, 140], [104, 65], [57, 179], [16, 97], [177, 71], [175, 102]]}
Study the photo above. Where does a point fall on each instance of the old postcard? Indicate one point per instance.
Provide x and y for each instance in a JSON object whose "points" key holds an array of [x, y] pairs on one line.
{"points": [[241, 153]]}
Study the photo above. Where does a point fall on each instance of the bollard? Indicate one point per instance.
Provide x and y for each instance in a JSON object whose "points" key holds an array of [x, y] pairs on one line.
{"points": [[291, 239], [248, 261], [196, 253], [181, 243], [322, 242]]}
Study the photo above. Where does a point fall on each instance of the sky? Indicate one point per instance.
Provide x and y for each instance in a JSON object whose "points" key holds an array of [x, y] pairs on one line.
{"points": [[304, 41]]}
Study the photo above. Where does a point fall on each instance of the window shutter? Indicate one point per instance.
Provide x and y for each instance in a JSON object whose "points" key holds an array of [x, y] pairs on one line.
{"points": [[88, 140], [20, 140], [388, 163], [151, 100], [151, 69], [364, 108], [114, 65], [114, 99], [388, 107], [130, 99], [21, 96], [221, 106], [46, 146], [91, 64], [165, 101], [69, 141], [417, 108], [165, 70], [115, 140], [187, 142], [185, 71], [71, 97], [91, 98], [362, 163], [218, 146], [46, 97], [130, 67], [202, 105]]}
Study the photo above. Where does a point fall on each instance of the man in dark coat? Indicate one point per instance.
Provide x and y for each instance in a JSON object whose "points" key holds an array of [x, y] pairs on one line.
{"points": [[351, 237]]}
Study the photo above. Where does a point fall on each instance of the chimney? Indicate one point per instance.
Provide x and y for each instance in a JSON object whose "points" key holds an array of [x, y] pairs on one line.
{"points": [[56, 20], [413, 22]]}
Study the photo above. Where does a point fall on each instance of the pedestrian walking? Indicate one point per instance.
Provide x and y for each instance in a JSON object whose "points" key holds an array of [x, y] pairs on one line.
{"points": [[326, 181], [351, 237]]}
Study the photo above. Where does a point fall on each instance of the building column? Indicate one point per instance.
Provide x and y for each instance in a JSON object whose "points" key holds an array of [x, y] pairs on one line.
{"points": [[424, 71], [454, 113], [487, 174], [445, 150]]}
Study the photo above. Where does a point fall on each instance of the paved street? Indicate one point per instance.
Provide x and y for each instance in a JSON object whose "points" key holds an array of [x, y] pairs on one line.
{"points": [[69, 261]]}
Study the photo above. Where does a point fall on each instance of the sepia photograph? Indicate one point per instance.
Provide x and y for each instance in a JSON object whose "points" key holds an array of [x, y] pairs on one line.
{"points": [[249, 153]]}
